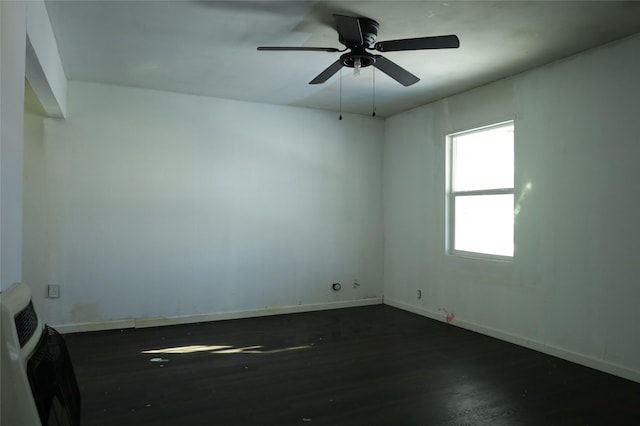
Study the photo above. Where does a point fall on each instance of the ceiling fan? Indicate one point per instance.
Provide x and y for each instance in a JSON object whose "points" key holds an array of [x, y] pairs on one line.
{"points": [[359, 35]]}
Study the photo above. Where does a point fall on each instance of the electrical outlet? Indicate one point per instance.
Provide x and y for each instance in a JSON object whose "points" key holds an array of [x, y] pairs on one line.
{"points": [[53, 291]]}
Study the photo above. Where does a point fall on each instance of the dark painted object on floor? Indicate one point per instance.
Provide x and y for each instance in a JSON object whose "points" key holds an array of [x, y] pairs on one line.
{"points": [[373, 365]]}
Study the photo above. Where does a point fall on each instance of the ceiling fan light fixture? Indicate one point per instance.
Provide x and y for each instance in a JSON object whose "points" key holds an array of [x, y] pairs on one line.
{"points": [[356, 66], [358, 59]]}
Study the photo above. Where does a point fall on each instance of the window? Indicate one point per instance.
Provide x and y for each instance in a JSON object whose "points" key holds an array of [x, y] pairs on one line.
{"points": [[480, 189]]}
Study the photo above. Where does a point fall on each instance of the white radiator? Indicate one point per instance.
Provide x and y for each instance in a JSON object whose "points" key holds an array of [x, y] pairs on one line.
{"points": [[38, 383]]}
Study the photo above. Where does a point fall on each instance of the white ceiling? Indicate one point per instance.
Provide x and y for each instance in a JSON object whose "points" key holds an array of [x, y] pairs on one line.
{"points": [[209, 47]]}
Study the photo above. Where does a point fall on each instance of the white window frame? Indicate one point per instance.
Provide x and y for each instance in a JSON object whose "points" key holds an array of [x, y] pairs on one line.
{"points": [[452, 195]]}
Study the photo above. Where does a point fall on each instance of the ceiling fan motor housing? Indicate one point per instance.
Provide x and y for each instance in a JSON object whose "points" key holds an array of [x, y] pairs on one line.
{"points": [[369, 31]]}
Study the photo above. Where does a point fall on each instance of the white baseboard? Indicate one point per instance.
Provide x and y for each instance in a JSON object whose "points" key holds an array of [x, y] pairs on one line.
{"points": [[80, 327], [218, 316], [598, 364]]}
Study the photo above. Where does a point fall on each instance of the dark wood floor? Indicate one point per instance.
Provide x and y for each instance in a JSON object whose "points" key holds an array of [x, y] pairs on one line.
{"points": [[374, 365]]}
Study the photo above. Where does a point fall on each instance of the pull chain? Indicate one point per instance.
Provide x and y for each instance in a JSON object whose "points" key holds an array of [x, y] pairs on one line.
{"points": [[373, 113], [340, 117]]}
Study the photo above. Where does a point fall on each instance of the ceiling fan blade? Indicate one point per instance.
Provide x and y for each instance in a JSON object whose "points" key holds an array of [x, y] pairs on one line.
{"points": [[395, 71], [327, 73], [298, 49], [349, 29], [437, 42]]}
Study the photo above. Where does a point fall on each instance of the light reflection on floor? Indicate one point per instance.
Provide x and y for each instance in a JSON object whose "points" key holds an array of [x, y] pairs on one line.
{"points": [[222, 349]]}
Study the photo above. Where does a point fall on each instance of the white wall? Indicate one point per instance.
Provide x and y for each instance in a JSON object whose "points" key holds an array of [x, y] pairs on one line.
{"points": [[572, 288], [35, 206], [12, 54], [154, 204]]}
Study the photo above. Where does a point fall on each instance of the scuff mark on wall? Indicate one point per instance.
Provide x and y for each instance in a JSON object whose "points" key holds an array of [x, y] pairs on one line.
{"points": [[450, 316]]}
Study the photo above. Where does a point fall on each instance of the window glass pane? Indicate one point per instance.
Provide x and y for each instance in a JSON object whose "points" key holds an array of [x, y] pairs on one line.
{"points": [[484, 224], [483, 159]]}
